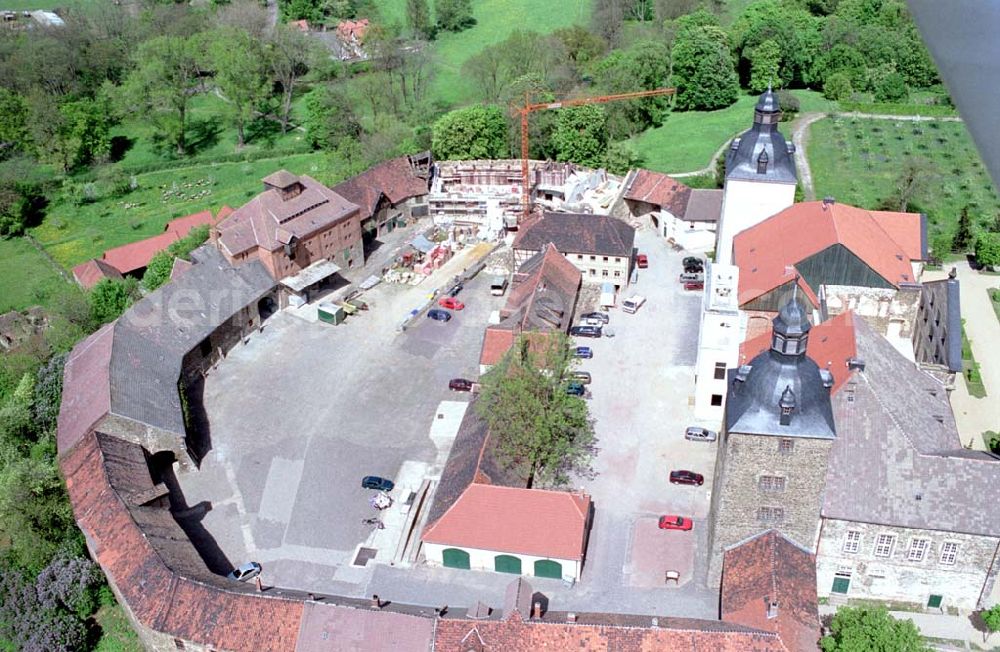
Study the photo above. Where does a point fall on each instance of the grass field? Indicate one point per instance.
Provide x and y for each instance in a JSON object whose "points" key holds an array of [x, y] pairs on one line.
{"points": [[686, 141], [73, 234], [117, 634], [859, 161], [26, 277], [28, 5]]}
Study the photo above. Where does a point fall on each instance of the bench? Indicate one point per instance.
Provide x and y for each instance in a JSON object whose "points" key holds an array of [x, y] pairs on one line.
{"points": [[672, 575]]}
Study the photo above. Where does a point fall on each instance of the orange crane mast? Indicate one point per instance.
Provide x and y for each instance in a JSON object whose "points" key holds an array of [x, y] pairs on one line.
{"points": [[528, 108]]}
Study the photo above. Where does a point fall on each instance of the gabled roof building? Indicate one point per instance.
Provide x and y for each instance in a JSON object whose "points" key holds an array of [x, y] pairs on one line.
{"points": [[686, 217]]}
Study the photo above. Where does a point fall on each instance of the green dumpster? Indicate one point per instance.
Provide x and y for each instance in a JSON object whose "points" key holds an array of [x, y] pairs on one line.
{"points": [[330, 314]]}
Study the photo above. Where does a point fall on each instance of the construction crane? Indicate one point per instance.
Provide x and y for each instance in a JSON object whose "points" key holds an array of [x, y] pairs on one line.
{"points": [[528, 108]]}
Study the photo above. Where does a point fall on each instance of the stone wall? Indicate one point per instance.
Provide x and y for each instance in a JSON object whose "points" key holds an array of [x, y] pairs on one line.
{"points": [[963, 584], [890, 312], [738, 494]]}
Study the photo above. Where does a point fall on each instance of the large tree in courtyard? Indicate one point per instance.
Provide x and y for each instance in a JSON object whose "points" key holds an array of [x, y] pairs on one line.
{"points": [[538, 429], [862, 629]]}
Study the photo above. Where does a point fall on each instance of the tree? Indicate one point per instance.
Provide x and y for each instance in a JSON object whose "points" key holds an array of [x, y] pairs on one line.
{"points": [[915, 173], [892, 88], [158, 271], [987, 248], [765, 65], [48, 392], [991, 618], [621, 157], [582, 46], [289, 52], [475, 132], [703, 69], [166, 77], [963, 234], [329, 118], [837, 86], [241, 75], [539, 430], [15, 135], [645, 65], [21, 206], [607, 18], [861, 629], [454, 15], [792, 29], [581, 135], [110, 298], [418, 17]]}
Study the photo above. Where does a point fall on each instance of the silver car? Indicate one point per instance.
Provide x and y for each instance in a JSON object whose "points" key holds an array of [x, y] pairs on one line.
{"points": [[694, 433]]}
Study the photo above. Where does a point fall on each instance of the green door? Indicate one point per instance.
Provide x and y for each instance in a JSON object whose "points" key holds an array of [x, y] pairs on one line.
{"points": [[507, 564], [548, 568], [455, 558], [840, 584], [934, 602]]}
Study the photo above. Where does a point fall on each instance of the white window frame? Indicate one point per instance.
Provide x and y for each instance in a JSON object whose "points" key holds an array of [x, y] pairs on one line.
{"points": [[949, 553], [880, 544], [918, 549], [771, 483], [852, 542]]}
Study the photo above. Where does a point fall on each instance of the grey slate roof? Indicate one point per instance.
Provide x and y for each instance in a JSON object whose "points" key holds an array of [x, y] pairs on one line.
{"points": [[741, 159], [937, 333], [152, 337], [577, 234], [898, 459], [753, 404], [704, 206]]}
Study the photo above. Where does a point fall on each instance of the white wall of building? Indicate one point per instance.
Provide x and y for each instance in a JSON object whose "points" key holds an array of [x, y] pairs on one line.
{"points": [[722, 330], [483, 560], [746, 203], [692, 236]]}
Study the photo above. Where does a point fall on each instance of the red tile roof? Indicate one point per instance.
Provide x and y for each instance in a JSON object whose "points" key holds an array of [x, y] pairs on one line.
{"points": [[507, 519], [86, 394], [90, 273], [496, 342], [673, 635], [362, 630], [767, 253], [660, 190], [136, 255], [772, 569], [395, 179], [183, 225], [353, 28], [831, 343]]}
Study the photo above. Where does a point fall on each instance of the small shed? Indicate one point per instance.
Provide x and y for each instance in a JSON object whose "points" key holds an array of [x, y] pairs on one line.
{"points": [[330, 314]]}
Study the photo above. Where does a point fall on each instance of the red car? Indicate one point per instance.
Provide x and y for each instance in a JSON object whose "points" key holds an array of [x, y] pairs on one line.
{"points": [[670, 522], [694, 285], [642, 261], [686, 477], [451, 303]]}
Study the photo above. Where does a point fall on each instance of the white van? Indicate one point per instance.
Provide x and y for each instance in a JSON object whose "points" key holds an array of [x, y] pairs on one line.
{"points": [[498, 286]]}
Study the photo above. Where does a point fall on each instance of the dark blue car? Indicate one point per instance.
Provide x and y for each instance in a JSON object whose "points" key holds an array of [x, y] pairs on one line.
{"points": [[377, 483], [439, 315], [583, 352]]}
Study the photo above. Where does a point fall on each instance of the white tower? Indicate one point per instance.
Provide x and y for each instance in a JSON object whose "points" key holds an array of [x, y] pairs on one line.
{"points": [[760, 176], [719, 338]]}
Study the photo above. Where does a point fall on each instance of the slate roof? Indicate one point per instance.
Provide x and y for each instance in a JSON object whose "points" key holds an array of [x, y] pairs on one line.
{"points": [[769, 568], [768, 252], [573, 233], [327, 627], [831, 343], [519, 521], [753, 404], [937, 332], [394, 179], [658, 189], [91, 273], [268, 221], [471, 460], [131, 367], [704, 206], [741, 158], [897, 440]]}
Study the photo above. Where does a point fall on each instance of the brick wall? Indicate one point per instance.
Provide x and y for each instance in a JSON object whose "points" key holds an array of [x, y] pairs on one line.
{"points": [[749, 471]]}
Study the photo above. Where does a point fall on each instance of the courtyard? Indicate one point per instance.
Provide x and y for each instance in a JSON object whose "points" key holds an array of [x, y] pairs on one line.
{"points": [[301, 412]]}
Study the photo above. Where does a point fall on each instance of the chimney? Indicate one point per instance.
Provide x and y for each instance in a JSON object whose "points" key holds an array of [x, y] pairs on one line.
{"points": [[571, 617], [828, 201], [855, 363], [772, 609], [826, 377], [536, 611]]}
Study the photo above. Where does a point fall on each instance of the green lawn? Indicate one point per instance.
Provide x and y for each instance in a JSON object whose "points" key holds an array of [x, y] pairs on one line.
{"points": [[858, 162], [28, 5], [686, 140], [73, 234], [26, 277], [117, 634]]}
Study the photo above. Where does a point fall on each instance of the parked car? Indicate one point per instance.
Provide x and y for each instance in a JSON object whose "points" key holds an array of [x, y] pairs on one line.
{"points": [[575, 388], [583, 352], [455, 289], [585, 331], [633, 303], [671, 522], [694, 433], [439, 315], [602, 317], [642, 261], [377, 483], [460, 385], [694, 285], [686, 477], [581, 377], [451, 303], [691, 277], [247, 571], [693, 264]]}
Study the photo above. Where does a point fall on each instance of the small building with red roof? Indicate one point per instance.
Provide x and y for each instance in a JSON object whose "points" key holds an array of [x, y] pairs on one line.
{"points": [[386, 194], [684, 216], [92, 272]]}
